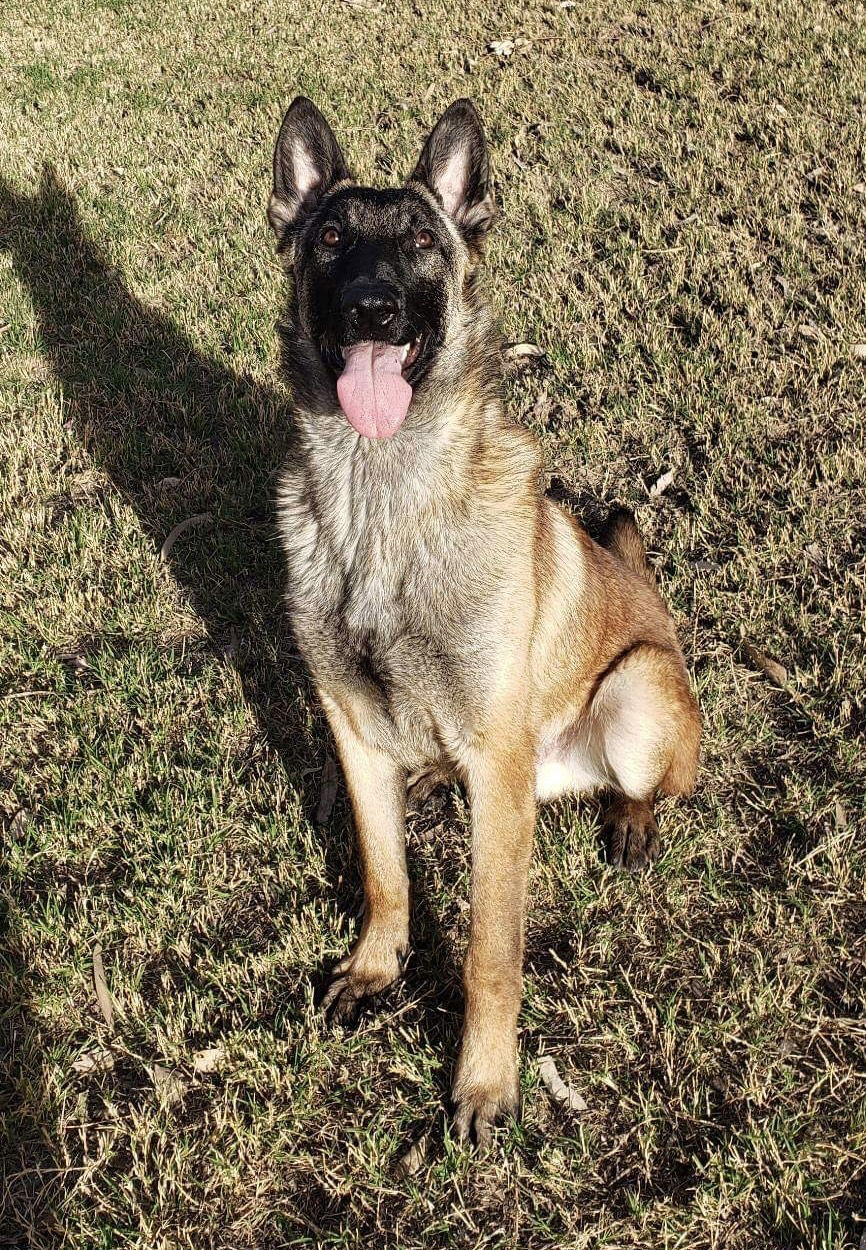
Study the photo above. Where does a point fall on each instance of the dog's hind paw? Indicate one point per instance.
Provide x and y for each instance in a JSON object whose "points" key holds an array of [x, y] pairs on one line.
{"points": [[421, 787], [486, 1088], [343, 999], [632, 834]]}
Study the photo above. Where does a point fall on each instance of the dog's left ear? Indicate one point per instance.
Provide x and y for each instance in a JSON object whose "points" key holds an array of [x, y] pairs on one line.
{"points": [[454, 165]]}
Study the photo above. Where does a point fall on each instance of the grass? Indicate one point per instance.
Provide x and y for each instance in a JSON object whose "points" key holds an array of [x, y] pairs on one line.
{"points": [[683, 231]]}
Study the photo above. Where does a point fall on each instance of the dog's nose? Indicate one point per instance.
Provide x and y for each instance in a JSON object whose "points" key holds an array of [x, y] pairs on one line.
{"points": [[369, 309]]}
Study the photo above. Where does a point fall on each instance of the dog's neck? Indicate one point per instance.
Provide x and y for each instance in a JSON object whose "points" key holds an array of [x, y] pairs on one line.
{"points": [[447, 477], [427, 464]]}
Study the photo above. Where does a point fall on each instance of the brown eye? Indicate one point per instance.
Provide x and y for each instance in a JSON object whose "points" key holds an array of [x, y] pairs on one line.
{"points": [[331, 236], [423, 240]]}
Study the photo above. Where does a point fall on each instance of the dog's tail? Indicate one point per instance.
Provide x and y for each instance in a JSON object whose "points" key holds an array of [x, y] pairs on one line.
{"points": [[622, 536]]}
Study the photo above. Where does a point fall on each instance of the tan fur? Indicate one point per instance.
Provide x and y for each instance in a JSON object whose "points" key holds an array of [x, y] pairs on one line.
{"points": [[622, 537], [458, 623], [518, 652]]}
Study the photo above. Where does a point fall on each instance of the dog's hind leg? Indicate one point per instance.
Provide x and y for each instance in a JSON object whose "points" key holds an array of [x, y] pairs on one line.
{"points": [[644, 724], [377, 789]]}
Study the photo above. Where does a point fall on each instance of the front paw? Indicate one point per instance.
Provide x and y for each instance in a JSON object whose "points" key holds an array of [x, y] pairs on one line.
{"points": [[484, 1094], [376, 962]]}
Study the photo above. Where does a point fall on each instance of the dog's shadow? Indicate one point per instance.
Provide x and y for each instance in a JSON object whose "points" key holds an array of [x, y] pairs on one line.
{"points": [[147, 405]]}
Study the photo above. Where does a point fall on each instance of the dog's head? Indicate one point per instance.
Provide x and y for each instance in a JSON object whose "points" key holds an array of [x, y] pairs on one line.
{"points": [[379, 274]]}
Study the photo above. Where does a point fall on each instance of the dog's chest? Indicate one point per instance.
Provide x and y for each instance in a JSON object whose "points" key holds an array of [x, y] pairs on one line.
{"points": [[375, 574], [374, 556]]}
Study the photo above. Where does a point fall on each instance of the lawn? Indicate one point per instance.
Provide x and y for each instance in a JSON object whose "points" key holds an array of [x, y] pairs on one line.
{"points": [[682, 192]]}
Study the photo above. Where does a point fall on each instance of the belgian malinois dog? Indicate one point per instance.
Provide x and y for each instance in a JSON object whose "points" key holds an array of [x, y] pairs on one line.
{"points": [[456, 622]]}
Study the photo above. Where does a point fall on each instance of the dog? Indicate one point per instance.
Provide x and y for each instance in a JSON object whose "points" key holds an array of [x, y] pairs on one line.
{"points": [[456, 622]]}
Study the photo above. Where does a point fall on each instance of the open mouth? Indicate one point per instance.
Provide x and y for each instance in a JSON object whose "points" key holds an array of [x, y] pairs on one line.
{"points": [[411, 349], [373, 389]]}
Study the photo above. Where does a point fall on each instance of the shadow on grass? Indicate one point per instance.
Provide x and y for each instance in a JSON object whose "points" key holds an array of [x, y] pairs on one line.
{"points": [[33, 1178], [147, 405]]}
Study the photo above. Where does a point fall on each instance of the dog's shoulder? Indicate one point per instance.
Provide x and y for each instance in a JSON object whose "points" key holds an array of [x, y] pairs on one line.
{"points": [[505, 462]]}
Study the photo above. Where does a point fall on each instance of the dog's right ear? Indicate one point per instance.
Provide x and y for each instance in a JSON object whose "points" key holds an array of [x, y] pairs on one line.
{"points": [[307, 163]]}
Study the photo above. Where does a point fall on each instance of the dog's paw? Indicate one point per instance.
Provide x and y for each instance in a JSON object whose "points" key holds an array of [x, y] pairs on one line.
{"points": [[483, 1101], [371, 968], [632, 835], [477, 1113]]}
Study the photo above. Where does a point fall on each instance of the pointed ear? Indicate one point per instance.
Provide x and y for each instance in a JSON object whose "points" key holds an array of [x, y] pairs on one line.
{"points": [[455, 167], [307, 163]]}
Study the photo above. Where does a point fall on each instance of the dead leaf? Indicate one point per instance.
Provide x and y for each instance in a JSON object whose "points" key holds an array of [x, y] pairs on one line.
{"points": [[328, 792], [521, 355], [810, 331], [813, 553], [858, 351], [19, 824], [661, 484], [169, 1083], [557, 1087], [414, 1158], [99, 1060], [100, 984], [504, 48], [192, 522], [208, 1060], [771, 668], [841, 815], [517, 351], [76, 662], [859, 188], [784, 285]]}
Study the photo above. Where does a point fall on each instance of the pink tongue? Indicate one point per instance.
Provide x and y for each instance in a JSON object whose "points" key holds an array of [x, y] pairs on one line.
{"points": [[372, 391]]}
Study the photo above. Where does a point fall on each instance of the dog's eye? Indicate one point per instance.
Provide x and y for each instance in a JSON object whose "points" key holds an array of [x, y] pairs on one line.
{"points": [[331, 236], [424, 240]]}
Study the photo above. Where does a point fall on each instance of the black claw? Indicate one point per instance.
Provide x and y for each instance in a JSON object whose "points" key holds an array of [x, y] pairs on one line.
{"points": [[340, 1004]]}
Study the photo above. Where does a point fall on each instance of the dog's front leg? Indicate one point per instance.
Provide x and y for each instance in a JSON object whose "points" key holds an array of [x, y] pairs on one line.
{"points": [[501, 791], [377, 789]]}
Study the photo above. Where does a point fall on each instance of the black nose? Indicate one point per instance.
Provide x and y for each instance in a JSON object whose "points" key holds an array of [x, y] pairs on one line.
{"points": [[369, 308]]}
